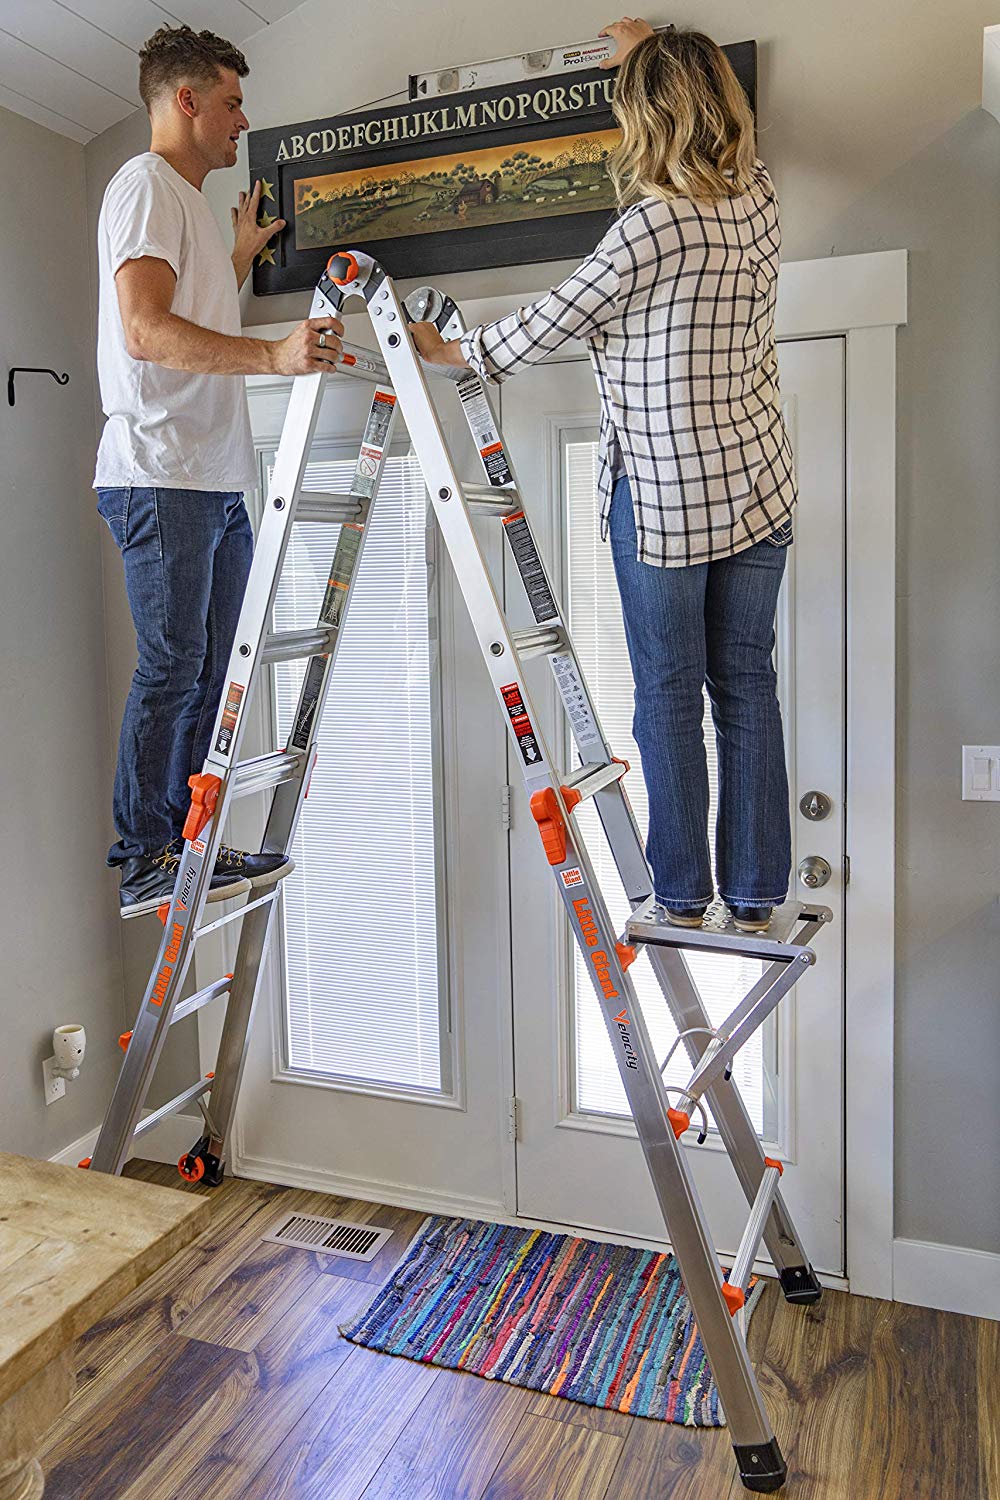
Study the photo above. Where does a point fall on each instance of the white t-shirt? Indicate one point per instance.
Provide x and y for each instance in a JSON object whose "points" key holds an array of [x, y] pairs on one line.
{"points": [[168, 428]]}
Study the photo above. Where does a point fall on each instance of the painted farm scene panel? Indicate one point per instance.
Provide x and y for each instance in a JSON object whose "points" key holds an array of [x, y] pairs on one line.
{"points": [[494, 185]]}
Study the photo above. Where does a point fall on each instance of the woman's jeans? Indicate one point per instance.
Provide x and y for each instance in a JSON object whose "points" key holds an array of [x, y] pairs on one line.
{"points": [[707, 624], [187, 556]]}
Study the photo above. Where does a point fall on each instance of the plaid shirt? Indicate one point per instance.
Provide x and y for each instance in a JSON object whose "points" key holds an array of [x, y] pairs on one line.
{"points": [[676, 306]]}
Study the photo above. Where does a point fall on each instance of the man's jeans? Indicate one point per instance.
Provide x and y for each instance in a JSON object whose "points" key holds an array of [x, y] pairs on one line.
{"points": [[187, 557], [713, 624]]}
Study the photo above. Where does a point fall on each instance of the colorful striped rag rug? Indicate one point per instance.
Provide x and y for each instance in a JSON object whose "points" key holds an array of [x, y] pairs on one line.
{"points": [[606, 1325]]}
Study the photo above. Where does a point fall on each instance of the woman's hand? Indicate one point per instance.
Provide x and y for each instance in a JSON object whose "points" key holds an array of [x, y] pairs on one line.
{"points": [[626, 34], [434, 349]]}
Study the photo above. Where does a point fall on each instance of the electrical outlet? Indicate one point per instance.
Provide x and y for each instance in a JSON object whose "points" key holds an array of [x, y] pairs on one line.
{"points": [[55, 1087]]}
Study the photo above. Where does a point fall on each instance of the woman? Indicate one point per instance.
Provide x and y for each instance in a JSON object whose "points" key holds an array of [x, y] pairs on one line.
{"points": [[676, 305]]}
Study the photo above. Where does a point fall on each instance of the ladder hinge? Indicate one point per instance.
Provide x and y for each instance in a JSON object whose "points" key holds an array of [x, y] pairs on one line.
{"points": [[847, 869], [514, 1119], [505, 808]]}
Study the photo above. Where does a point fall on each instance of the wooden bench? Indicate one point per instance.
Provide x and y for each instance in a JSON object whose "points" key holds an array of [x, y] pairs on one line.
{"points": [[72, 1244]]}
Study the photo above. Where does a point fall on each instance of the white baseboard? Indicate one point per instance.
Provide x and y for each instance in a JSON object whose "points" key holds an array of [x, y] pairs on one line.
{"points": [[167, 1143], [947, 1277]]}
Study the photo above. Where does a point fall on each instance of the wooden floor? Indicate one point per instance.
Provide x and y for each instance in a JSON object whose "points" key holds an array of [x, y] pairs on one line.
{"points": [[224, 1378]]}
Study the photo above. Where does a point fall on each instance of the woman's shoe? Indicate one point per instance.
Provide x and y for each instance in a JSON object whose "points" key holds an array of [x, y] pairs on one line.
{"points": [[690, 916], [751, 918]]}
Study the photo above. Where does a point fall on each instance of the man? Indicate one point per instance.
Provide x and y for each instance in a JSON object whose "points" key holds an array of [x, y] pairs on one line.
{"points": [[176, 453]]}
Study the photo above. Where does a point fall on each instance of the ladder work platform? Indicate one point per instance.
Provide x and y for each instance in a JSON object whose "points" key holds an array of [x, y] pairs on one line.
{"points": [[662, 1114]]}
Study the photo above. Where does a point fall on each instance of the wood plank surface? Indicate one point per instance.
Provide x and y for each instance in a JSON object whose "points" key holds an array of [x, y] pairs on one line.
{"points": [[72, 1245], [226, 1376]]}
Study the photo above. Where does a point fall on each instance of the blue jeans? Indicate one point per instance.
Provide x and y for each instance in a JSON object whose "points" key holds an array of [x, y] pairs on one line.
{"points": [[187, 556], [707, 624]]}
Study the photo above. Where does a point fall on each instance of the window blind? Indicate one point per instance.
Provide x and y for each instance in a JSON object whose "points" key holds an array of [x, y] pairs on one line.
{"points": [[361, 953], [599, 636]]}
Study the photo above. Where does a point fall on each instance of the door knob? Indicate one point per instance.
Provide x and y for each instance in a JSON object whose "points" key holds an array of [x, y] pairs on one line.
{"points": [[815, 806], [814, 871]]}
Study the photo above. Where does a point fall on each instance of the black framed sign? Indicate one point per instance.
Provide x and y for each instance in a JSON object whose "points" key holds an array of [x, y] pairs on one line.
{"points": [[492, 177]]}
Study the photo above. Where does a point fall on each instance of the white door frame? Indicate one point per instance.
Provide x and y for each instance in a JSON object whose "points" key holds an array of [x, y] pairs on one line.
{"points": [[863, 298]]}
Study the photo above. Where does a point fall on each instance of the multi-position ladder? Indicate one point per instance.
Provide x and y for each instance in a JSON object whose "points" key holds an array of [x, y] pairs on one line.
{"points": [[662, 1115]]}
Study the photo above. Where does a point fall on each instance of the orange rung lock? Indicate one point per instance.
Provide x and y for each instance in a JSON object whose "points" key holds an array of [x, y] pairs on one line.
{"points": [[733, 1297], [547, 814], [205, 790], [124, 1040], [626, 954], [679, 1121], [571, 797]]}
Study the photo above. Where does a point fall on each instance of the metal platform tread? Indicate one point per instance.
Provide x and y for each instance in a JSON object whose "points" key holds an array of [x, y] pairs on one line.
{"points": [[792, 925]]}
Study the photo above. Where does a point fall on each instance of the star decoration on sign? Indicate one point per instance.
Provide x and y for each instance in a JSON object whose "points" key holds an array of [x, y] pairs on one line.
{"points": [[266, 219], [265, 189], [266, 256]]}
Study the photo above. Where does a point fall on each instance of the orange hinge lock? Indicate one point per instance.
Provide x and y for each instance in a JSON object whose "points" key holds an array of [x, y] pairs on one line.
{"points": [[344, 262], [547, 814], [205, 790], [769, 1161], [733, 1297]]}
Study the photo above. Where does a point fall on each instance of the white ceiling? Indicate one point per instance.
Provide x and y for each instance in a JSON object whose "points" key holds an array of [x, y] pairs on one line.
{"points": [[72, 64]]}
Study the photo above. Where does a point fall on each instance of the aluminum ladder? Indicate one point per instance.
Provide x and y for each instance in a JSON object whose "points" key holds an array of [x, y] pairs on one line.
{"points": [[662, 1115]]}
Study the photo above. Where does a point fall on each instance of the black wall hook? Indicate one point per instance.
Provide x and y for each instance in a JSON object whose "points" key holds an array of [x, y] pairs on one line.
{"points": [[30, 370]]}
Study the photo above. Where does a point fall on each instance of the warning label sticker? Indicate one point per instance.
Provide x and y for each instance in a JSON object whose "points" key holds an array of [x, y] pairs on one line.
{"points": [[529, 565], [308, 699], [571, 877], [231, 712], [586, 731], [341, 573], [373, 444], [523, 732], [484, 430]]}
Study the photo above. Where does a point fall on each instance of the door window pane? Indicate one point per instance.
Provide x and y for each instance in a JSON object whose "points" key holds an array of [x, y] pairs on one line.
{"points": [[362, 967], [599, 636]]}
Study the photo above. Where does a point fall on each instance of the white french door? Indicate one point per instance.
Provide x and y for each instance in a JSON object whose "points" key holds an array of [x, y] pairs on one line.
{"points": [[578, 1162], [372, 1061]]}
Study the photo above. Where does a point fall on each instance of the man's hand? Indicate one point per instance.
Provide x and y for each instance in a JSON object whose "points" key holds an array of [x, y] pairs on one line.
{"points": [[434, 349], [250, 237], [626, 34], [301, 353]]}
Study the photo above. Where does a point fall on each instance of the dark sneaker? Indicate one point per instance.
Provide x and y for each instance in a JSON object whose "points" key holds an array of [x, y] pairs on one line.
{"points": [[259, 869], [148, 880], [751, 918], [685, 916]]}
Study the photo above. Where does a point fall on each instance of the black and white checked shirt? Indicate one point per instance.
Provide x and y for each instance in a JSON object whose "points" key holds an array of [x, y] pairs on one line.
{"points": [[676, 306]]}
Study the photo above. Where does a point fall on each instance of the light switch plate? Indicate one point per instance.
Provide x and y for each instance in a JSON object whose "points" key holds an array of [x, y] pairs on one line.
{"points": [[981, 773]]}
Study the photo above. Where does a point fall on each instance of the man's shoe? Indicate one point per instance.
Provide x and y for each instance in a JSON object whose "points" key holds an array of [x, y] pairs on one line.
{"points": [[681, 916], [147, 880], [751, 918], [258, 869]]}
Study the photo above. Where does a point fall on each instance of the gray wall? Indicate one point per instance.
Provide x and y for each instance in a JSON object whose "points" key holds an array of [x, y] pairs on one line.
{"points": [[58, 921], [871, 126]]}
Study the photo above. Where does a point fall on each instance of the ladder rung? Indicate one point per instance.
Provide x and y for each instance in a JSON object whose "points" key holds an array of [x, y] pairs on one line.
{"points": [[241, 911], [492, 501], [195, 1002], [542, 640], [363, 364], [263, 771], [203, 1086], [290, 645], [589, 780], [324, 505], [754, 1231]]}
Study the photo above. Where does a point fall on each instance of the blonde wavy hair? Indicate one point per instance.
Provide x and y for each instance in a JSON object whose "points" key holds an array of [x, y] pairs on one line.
{"points": [[687, 129]]}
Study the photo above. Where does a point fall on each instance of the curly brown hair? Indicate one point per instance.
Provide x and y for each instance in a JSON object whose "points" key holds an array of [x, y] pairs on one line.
{"points": [[177, 54]]}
